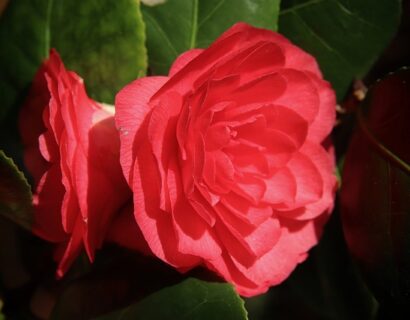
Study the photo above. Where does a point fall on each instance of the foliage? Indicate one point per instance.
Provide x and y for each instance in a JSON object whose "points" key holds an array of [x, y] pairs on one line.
{"points": [[111, 43]]}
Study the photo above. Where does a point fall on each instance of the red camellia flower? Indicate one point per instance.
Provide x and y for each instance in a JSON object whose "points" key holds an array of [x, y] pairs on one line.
{"points": [[227, 157], [72, 151]]}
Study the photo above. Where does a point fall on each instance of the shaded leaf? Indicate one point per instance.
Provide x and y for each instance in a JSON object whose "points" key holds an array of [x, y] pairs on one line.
{"points": [[326, 286], [22, 49], [329, 282], [345, 36], [191, 299], [15, 193], [116, 279], [101, 40], [180, 25], [376, 190]]}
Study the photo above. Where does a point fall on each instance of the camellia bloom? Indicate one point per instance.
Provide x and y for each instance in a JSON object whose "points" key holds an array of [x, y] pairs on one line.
{"points": [[72, 151], [227, 157]]}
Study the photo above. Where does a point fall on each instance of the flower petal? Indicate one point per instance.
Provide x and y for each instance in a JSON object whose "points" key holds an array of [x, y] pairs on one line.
{"points": [[183, 59], [131, 108]]}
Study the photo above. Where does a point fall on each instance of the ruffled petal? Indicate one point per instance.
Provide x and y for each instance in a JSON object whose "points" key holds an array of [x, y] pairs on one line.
{"points": [[71, 249], [131, 108], [183, 59], [194, 235], [276, 265], [155, 224], [47, 204]]}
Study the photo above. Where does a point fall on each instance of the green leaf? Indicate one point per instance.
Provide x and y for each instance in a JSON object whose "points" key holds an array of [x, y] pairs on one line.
{"points": [[117, 278], [329, 282], [346, 36], [191, 299], [375, 194], [102, 40], [21, 50], [15, 193], [180, 25]]}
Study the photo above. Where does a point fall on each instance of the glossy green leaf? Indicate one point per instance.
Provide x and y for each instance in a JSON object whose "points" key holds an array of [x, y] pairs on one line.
{"points": [[15, 193], [180, 25], [376, 191], [102, 40], [346, 36], [191, 299]]}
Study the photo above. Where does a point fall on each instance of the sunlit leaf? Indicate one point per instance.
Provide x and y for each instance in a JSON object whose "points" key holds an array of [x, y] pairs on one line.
{"points": [[101, 40]]}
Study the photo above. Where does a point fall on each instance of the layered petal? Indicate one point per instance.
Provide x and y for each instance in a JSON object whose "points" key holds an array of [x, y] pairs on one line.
{"points": [[82, 186], [226, 157]]}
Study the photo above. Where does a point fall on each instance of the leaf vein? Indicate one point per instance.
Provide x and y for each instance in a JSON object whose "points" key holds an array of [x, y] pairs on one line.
{"points": [[210, 14], [321, 40], [355, 15], [300, 6], [162, 33], [194, 29], [47, 33]]}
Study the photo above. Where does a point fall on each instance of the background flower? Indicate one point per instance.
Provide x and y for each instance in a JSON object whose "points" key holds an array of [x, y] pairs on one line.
{"points": [[72, 150]]}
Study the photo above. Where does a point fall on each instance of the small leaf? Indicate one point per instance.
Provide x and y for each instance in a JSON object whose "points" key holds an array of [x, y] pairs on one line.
{"points": [[345, 36], [102, 40], [191, 299], [15, 193], [376, 191], [180, 25]]}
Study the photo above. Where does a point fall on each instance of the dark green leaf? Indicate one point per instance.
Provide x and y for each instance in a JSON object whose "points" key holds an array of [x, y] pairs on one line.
{"points": [[376, 190], [191, 299], [329, 282], [116, 279], [326, 286], [22, 49], [101, 40], [346, 36], [15, 193], [180, 25]]}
